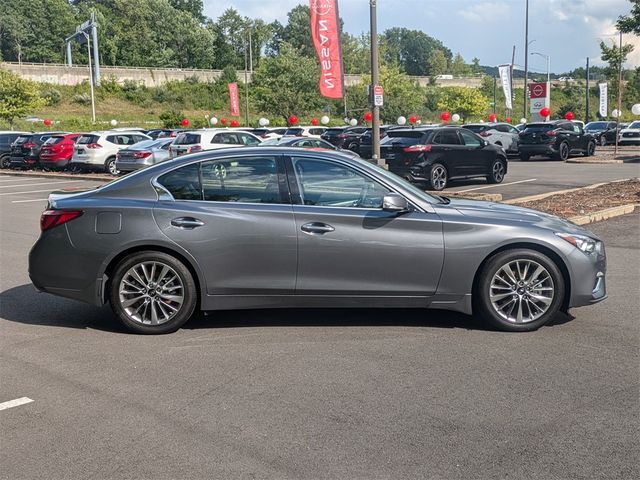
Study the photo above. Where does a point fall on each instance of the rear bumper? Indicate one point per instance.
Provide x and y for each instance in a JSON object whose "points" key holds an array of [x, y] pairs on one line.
{"points": [[541, 149], [130, 166], [54, 163], [22, 162]]}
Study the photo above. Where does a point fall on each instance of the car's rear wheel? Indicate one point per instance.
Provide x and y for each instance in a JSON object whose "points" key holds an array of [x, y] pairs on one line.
{"points": [[519, 290], [498, 170], [110, 166], [591, 149], [152, 292], [5, 160], [603, 140], [525, 157], [563, 152], [438, 177]]}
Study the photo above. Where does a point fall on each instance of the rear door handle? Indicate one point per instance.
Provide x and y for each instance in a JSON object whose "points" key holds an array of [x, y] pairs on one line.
{"points": [[316, 228], [188, 223]]}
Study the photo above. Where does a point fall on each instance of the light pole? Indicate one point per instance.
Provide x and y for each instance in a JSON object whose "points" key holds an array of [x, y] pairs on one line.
{"points": [[526, 57], [375, 110], [548, 58]]}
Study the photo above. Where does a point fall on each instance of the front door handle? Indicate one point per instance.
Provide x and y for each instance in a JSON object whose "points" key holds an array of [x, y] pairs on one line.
{"points": [[188, 223], [316, 228]]}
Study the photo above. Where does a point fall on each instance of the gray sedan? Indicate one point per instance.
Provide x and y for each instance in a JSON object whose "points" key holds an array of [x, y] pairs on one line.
{"points": [[290, 227], [143, 154]]}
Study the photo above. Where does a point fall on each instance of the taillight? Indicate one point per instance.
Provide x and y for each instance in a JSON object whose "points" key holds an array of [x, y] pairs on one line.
{"points": [[94, 145], [29, 145], [341, 135], [141, 154], [173, 134], [53, 218], [417, 148], [485, 134], [552, 133], [194, 148]]}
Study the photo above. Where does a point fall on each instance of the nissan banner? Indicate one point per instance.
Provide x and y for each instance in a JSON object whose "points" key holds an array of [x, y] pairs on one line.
{"points": [[325, 33], [505, 79], [234, 101], [603, 99]]}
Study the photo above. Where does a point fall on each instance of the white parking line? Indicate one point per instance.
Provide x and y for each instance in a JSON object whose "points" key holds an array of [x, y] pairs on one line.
{"points": [[41, 183], [24, 193], [25, 201], [15, 403], [496, 185], [14, 179]]}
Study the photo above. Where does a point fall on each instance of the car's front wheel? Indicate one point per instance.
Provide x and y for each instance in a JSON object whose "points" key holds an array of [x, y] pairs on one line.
{"points": [[5, 161], [519, 290], [591, 149], [563, 152], [603, 140], [110, 166], [438, 177], [498, 170], [525, 157], [152, 292]]}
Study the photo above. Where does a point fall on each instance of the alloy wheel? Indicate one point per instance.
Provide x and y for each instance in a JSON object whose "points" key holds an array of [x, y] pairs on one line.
{"points": [[439, 177], [151, 293], [112, 168], [498, 171], [521, 291]]}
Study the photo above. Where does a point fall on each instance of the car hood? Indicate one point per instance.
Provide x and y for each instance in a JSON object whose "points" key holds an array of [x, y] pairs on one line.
{"points": [[625, 130], [503, 213]]}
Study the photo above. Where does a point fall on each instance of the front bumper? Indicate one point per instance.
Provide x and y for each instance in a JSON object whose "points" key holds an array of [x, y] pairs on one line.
{"points": [[588, 278]]}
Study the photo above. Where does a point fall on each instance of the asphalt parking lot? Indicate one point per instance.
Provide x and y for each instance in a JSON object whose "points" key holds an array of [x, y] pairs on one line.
{"points": [[359, 394]]}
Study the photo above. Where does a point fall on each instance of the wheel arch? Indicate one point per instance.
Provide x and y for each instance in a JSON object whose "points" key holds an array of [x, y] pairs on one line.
{"points": [[116, 259], [562, 266]]}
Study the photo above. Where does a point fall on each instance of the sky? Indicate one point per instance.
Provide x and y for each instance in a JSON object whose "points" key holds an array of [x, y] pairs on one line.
{"points": [[566, 30]]}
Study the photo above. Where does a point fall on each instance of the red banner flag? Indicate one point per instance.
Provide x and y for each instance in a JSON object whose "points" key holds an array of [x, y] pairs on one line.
{"points": [[234, 101], [325, 32]]}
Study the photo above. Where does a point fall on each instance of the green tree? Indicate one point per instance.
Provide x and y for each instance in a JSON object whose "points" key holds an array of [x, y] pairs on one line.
{"points": [[411, 50], [230, 32], [437, 63], [18, 97], [615, 58], [297, 32], [459, 67], [630, 23], [193, 7], [467, 102], [287, 84], [475, 65]]}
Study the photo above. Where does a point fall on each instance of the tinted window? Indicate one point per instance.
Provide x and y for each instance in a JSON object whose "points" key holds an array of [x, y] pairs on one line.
{"points": [[7, 139], [403, 137], [248, 139], [22, 139], [334, 131], [447, 137], [242, 180], [53, 140], [539, 127], [325, 183], [87, 139], [634, 125], [316, 131], [228, 138], [470, 139], [597, 126], [187, 139], [294, 132], [183, 183], [513, 130], [112, 139]]}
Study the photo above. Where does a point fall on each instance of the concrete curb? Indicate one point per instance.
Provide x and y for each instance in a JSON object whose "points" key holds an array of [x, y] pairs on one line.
{"points": [[73, 176], [542, 196], [489, 197], [604, 214], [578, 160]]}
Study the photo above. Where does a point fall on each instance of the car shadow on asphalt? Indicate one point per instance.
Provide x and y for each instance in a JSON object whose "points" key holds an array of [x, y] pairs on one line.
{"points": [[23, 304]]}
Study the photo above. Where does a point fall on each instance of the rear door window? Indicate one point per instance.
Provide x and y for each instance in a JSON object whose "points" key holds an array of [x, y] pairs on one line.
{"points": [[248, 139], [187, 139], [469, 139], [447, 137], [183, 183]]}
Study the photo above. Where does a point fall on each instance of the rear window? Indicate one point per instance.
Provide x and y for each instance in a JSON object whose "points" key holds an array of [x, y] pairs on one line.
{"points": [[540, 127], [476, 128], [403, 137], [22, 139], [294, 132], [87, 139], [53, 140], [147, 144], [187, 139], [334, 131], [597, 126]]}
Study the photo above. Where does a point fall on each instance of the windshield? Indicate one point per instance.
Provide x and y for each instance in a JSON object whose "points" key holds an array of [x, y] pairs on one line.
{"points": [[634, 125], [295, 132], [596, 126]]}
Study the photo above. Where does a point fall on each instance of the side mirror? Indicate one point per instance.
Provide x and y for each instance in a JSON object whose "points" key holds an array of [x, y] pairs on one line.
{"points": [[394, 202]]}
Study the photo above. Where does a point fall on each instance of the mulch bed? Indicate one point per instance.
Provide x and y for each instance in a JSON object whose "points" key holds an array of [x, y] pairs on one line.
{"points": [[591, 200]]}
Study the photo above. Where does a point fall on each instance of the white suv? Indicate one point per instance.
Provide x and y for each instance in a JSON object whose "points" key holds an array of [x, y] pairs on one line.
{"points": [[97, 150], [210, 139], [305, 131]]}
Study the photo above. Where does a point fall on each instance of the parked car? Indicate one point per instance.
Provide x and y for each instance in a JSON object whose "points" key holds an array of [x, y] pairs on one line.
{"points": [[209, 139], [25, 150], [304, 131], [630, 135], [344, 137], [365, 144], [603, 132], [143, 154], [556, 139], [580, 123], [566, 79], [436, 155], [164, 132], [277, 228], [501, 134], [521, 126], [306, 142], [97, 150], [266, 133], [7, 137], [57, 151]]}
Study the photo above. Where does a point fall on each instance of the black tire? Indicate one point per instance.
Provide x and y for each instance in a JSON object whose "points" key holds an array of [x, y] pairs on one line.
{"points": [[603, 140], [498, 171], [110, 166], [525, 157], [438, 177], [183, 311], [591, 149], [563, 152], [5, 160], [354, 147], [482, 301]]}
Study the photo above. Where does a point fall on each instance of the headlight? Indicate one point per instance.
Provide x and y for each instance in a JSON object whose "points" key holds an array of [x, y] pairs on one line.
{"points": [[582, 242]]}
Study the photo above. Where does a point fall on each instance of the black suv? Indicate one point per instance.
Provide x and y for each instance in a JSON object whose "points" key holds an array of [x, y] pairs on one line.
{"points": [[365, 149], [344, 137], [6, 139], [604, 132], [435, 155], [557, 139], [25, 150]]}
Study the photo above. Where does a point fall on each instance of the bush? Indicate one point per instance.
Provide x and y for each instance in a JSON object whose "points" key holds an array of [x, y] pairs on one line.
{"points": [[171, 118], [109, 86], [51, 96], [82, 98]]}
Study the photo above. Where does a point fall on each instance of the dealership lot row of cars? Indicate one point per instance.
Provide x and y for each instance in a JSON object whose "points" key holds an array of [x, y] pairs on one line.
{"points": [[431, 155]]}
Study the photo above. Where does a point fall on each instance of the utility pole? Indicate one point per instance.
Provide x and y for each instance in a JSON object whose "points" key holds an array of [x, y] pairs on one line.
{"points": [[526, 57], [619, 94], [587, 97], [495, 83], [246, 83], [513, 61], [375, 110], [93, 101]]}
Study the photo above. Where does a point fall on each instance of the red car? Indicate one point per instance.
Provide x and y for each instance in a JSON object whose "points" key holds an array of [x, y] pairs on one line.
{"points": [[57, 151]]}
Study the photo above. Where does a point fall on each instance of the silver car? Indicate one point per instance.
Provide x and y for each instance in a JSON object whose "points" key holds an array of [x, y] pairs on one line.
{"points": [[503, 135], [290, 227], [143, 154]]}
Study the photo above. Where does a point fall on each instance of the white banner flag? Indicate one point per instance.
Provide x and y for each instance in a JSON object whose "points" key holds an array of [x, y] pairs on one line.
{"points": [[603, 99], [505, 78]]}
